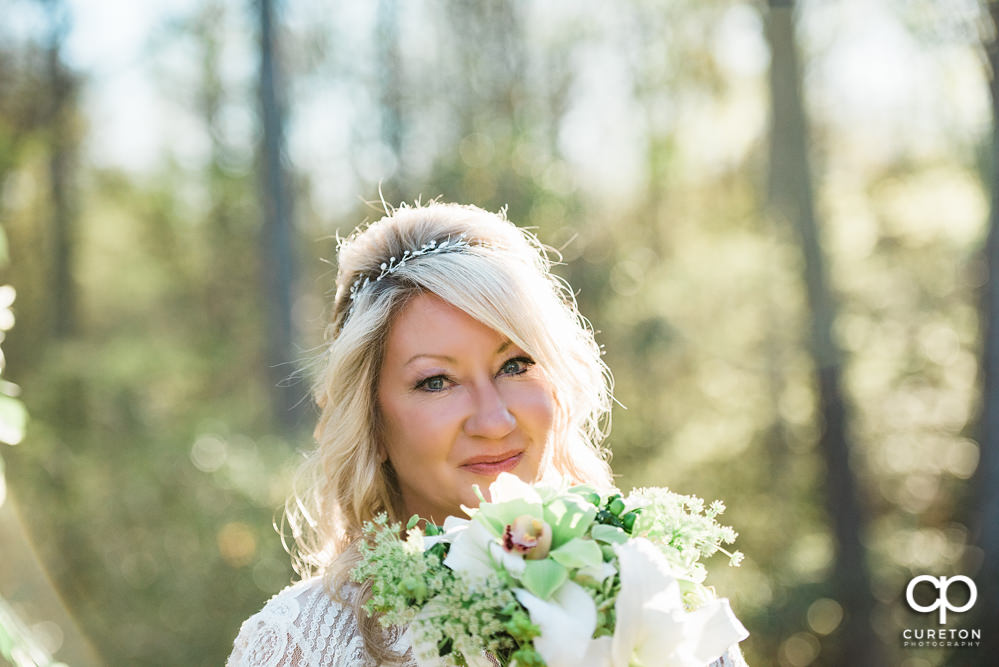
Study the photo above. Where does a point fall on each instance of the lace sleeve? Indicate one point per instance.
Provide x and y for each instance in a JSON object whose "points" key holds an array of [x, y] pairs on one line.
{"points": [[732, 658], [302, 626]]}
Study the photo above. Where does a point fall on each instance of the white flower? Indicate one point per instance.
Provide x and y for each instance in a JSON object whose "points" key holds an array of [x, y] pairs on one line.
{"points": [[652, 627], [509, 487], [597, 573], [477, 551], [425, 652], [476, 545], [567, 622]]}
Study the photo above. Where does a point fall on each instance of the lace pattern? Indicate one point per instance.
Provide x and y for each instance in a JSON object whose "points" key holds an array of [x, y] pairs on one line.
{"points": [[733, 658], [303, 626]]}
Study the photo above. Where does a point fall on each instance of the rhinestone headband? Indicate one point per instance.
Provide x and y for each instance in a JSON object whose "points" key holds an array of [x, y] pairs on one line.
{"points": [[394, 263]]}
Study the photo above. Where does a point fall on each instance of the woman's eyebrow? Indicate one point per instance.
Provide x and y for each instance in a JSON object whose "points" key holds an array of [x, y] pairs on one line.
{"points": [[507, 343], [431, 356]]}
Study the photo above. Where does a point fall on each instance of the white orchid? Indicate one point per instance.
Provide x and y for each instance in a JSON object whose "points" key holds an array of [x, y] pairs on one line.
{"points": [[528, 536], [476, 551], [491, 539], [475, 547], [566, 621]]}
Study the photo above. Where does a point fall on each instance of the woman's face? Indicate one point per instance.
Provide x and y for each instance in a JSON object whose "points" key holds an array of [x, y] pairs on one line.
{"points": [[460, 403]]}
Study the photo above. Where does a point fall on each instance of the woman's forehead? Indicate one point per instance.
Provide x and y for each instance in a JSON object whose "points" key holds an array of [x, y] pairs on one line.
{"points": [[428, 326]]}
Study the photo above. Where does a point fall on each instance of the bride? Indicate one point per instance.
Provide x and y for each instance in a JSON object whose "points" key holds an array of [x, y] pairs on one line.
{"points": [[453, 355]]}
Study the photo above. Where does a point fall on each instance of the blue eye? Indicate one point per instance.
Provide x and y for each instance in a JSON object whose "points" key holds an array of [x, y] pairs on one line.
{"points": [[434, 383], [516, 366], [439, 383]]}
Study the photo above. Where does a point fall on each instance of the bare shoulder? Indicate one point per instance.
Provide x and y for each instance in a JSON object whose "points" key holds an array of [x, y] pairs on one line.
{"points": [[302, 625]]}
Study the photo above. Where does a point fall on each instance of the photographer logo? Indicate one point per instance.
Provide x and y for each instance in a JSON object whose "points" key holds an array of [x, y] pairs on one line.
{"points": [[936, 591], [942, 584]]}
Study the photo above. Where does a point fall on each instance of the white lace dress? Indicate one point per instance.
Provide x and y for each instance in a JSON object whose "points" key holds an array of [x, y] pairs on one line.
{"points": [[303, 626]]}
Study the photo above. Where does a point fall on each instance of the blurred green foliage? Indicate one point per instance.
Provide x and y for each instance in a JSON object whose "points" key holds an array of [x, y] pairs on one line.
{"points": [[18, 644], [151, 472]]}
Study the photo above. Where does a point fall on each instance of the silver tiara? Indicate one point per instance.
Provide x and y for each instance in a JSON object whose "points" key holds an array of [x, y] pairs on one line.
{"points": [[394, 263]]}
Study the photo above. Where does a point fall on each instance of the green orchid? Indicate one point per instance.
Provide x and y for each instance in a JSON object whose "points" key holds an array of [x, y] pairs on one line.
{"points": [[535, 534]]}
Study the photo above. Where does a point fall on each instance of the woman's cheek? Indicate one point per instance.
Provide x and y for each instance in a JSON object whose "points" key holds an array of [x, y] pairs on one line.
{"points": [[544, 407]]}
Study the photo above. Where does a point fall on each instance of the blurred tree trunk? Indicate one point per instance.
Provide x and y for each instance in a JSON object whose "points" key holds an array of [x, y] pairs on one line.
{"points": [[390, 94], [227, 278], [490, 110], [62, 148], [278, 259], [62, 143], [791, 201], [985, 514]]}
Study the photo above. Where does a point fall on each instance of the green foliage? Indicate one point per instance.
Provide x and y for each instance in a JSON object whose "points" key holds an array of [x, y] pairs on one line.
{"points": [[18, 643], [398, 571]]}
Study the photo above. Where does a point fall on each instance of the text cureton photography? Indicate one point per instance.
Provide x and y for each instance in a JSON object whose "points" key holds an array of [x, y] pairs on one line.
{"points": [[940, 637]]}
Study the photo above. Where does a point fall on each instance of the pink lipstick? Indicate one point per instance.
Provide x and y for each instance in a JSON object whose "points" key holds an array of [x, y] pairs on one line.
{"points": [[490, 466]]}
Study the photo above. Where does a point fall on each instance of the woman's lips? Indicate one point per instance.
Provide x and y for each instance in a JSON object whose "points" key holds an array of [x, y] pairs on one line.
{"points": [[493, 465]]}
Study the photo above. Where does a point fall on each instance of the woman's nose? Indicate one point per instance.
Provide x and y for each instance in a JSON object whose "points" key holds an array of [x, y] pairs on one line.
{"points": [[490, 417]]}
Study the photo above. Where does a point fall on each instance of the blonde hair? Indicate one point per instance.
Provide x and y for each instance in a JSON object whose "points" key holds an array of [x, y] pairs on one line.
{"points": [[501, 276]]}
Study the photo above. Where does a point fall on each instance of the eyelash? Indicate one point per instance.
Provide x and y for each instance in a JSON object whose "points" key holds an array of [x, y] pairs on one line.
{"points": [[526, 361]]}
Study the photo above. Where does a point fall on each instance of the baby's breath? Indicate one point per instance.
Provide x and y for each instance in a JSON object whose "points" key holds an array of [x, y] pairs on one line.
{"points": [[451, 614], [683, 528], [400, 576], [471, 615]]}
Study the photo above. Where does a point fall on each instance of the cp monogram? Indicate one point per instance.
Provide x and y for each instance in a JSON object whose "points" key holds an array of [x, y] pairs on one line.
{"points": [[942, 601]]}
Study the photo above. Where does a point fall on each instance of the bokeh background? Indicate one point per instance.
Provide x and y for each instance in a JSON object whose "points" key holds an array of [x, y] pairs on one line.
{"points": [[775, 215]]}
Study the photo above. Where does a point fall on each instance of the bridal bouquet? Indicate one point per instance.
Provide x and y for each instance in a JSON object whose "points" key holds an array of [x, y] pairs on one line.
{"points": [[563, 577]]}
